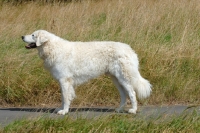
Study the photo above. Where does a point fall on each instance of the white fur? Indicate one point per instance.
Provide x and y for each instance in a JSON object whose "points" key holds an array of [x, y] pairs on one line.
{"points": [[73, 63]]}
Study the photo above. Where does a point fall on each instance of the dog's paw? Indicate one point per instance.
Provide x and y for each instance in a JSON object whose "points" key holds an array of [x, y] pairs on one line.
{"points": [[62, 112], [132, 111]]}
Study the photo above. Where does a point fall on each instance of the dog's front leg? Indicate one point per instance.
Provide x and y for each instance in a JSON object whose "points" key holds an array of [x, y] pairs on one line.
{"points": [[68, 94]]}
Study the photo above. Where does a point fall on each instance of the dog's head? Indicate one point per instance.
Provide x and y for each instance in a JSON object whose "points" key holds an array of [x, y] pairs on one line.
{"points": [[36, 39]]}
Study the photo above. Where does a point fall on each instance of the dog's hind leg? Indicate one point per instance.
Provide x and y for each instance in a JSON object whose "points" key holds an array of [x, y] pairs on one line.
{"points": [[127, 89], [132, 95], [68, 94], [122, 92]]}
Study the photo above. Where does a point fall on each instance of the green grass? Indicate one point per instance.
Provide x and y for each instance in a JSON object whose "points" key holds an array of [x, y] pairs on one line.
{"points": [[113, 123]]}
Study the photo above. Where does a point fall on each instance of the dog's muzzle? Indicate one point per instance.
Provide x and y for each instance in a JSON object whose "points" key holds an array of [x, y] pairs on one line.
{"points": [[30, 45]]}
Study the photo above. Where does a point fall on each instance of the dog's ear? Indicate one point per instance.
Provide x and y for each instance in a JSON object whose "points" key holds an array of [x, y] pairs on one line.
{"points": [[41, 40]]}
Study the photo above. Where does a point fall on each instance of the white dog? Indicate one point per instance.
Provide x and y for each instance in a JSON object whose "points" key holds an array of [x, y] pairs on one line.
{"points": [[73, 63]]}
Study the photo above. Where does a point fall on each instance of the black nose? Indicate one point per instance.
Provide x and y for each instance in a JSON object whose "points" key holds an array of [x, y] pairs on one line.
{"points": [[22, 37]]}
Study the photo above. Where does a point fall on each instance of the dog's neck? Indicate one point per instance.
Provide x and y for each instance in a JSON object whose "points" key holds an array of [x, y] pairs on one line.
{"points": [[46, 53]]}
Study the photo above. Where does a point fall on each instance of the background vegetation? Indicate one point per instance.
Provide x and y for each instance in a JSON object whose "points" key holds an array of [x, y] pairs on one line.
{"points": [[165, 35]]}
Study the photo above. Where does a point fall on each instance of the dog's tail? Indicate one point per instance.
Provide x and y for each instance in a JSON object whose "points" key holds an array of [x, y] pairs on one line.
{"points": [[142, 87]]}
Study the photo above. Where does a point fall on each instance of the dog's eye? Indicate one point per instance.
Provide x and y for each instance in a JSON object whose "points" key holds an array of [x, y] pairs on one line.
{"points": [[33, 36]]}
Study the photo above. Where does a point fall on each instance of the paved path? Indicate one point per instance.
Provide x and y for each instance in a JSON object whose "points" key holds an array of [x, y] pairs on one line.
{"points": [[8, 115]]}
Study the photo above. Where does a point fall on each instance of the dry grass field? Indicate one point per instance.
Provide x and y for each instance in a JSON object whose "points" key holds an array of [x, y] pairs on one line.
{"points": [[165, 35]]}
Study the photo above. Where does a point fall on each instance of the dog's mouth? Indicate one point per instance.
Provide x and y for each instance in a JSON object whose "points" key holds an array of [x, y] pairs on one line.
{"points": [[30, 46]]}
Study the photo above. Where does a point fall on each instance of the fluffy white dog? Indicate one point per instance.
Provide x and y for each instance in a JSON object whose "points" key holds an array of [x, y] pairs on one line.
{"points": [[73, 63]]}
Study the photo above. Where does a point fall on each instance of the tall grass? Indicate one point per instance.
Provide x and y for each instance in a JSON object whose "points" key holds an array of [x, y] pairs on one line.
{"points": [[165, 35]]}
